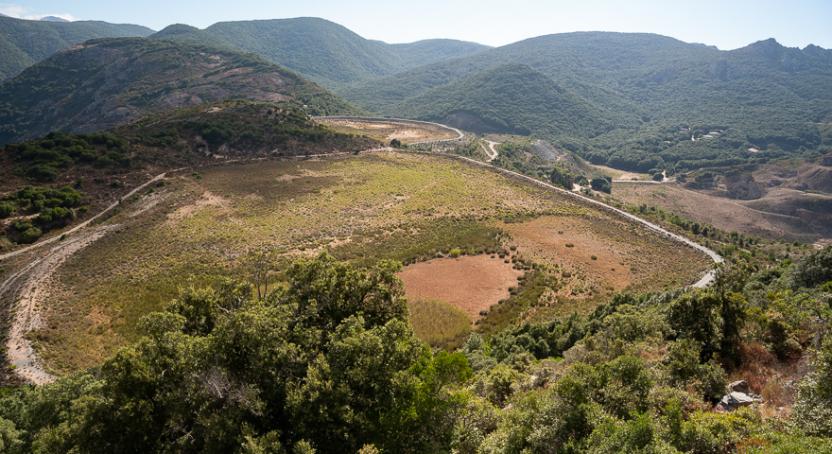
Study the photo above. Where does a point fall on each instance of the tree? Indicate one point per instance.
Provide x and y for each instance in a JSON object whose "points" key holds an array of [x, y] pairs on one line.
{"points": [[327, 363], [813, 408], [714, 321], [602, 184], [561, 178], [814, 269]]}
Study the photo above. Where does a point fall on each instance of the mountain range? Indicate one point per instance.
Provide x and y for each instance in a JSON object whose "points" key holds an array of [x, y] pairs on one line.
{"points": [[764, 95], [26, 42], [104, 83], [637, 101], [321, 50]]}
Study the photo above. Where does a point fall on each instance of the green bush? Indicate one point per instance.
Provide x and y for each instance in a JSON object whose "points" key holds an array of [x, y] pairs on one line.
{"points": [[815, 269], [6, 209], [601, 184]]}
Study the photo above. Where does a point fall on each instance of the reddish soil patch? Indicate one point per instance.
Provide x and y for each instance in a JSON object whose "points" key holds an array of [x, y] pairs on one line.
{"points": [[578, 246], [471, 283]]}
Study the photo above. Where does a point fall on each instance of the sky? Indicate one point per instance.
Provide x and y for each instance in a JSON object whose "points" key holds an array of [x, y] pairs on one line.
{"points": [[726, 24]]}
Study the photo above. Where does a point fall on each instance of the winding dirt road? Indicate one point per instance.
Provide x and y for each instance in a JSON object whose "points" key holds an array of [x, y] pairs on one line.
{"points": [[31, 284], [490, 149]]}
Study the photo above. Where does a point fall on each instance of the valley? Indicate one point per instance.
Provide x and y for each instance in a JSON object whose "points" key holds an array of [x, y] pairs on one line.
{"points": [[191, 230], [280, 236]]}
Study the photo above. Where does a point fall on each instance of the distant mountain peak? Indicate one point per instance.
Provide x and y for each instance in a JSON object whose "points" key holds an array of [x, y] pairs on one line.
{"points": [[53, 19]]}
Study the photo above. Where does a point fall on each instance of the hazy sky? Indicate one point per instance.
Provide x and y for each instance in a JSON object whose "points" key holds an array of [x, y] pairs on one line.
{"points": [[726, 24]]}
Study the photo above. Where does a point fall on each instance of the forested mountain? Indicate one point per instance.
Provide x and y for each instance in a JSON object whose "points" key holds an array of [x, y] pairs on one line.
{"points": [[107, 82], [765, 95], [512, 98], [25, 42], [321, 50]]}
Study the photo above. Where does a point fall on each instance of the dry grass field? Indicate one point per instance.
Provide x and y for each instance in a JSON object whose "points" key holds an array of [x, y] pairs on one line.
{"points": [[385, 131], [195, 228], [782, 213]]}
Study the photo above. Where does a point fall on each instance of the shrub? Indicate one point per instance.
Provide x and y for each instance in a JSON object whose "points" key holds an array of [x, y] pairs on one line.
{"points": [[814, 269], [6, 209], [29, 235], [602, 184], [813, 408]]}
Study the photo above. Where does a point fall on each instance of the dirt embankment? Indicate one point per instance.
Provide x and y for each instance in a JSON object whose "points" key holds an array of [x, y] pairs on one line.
{"points": [[28, 289]]}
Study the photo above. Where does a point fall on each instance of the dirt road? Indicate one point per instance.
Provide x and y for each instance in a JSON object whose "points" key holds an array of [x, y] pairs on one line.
{"points": [[31, 284], [490, 149], [459, 134]]}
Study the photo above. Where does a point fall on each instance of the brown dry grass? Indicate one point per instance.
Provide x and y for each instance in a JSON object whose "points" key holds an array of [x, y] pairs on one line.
{"points": [[386, 131], [470, 283], [758, 217], [598, 255], [769, 377]]}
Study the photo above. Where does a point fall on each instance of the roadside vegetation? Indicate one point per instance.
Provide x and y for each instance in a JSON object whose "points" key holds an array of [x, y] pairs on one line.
{"points": [[33, 211]]}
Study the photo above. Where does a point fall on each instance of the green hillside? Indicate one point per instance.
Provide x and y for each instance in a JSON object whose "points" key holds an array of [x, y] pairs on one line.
{"points": [[765, 95], [109, 82], [321, 50], [512, 99], [25, 42]]}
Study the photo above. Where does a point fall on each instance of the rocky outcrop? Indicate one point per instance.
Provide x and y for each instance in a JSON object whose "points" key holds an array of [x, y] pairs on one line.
{"points": [[738, 395]]}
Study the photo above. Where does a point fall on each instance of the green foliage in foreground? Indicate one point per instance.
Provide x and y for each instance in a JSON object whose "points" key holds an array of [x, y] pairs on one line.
{"points": [[326, 363]]}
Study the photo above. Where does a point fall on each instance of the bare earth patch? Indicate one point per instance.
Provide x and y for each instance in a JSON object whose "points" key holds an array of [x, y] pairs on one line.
{"points": [[470, 283], [405, 131], [207, 200]]}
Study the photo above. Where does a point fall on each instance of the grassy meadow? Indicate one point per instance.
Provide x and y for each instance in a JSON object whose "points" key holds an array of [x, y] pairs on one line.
{"points": [[195, 228]]}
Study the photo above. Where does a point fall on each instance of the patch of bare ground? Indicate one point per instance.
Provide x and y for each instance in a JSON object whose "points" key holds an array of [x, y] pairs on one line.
{"points": [[599, 255], [207, 199], [404, 131], [470, 283], [31, 297]]}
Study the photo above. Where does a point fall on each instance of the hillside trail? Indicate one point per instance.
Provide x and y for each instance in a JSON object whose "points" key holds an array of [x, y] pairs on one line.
{"points": [[490, 149]]}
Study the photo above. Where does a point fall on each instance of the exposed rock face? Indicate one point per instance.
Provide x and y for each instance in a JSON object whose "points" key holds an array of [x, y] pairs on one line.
{"points": [[739, 386], [739, 395]]}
